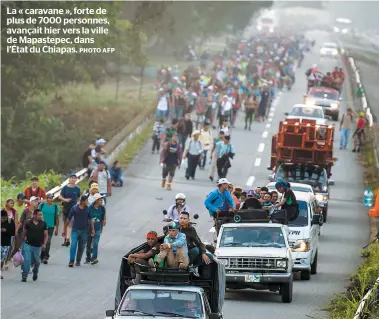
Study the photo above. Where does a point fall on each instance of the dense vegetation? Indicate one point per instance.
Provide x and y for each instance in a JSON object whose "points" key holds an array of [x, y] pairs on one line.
{"points": [[44, 123]]}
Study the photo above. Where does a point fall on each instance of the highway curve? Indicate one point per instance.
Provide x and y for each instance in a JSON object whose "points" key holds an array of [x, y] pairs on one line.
{"points": [[86, 292]]}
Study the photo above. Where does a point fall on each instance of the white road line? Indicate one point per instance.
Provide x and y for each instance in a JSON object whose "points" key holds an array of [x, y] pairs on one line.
{"points": [[261, 147], [268, 125], [272, 109], [250, 181], [264, 134], [257, 162], [270, 120], [271, 114]]}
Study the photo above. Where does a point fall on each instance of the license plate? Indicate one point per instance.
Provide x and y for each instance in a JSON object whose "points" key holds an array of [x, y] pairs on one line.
{"points": [[252, 278]]}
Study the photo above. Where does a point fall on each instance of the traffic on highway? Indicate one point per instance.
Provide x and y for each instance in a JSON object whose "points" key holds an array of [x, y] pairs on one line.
{"points": [[267, 227]]}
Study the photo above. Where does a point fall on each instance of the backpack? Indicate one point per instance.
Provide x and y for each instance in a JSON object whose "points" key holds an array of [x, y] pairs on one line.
{"points": [[55, 212]]}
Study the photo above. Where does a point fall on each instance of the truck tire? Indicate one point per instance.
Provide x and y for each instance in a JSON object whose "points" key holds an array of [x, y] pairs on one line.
{"points": [[305, 275], [314, 265], [335, 117], [286, 291]]}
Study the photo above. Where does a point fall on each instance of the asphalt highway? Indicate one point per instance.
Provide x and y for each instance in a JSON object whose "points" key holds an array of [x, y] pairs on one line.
{"points": [[87, 291]]}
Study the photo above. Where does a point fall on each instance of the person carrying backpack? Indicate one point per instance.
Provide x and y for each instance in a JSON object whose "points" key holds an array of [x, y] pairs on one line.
{"points": [[50, 213]]}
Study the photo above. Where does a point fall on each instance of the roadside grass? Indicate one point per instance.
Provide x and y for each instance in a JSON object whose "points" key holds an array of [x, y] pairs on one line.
{"points": [[344, 306]]}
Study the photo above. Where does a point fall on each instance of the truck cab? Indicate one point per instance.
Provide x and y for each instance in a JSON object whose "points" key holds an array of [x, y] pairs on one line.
{"points": [[254, 247], [167, 293]]}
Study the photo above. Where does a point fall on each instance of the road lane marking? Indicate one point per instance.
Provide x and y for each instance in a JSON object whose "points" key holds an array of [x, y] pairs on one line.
{"points": [[268, 125], [264, 134], [272, 108], [270, 119], [261, 147], [271, 114], [257, 162], [250, 181]]}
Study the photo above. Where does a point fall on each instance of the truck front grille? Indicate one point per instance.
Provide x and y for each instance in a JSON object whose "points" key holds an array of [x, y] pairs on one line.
{"points": [[252, 263]]}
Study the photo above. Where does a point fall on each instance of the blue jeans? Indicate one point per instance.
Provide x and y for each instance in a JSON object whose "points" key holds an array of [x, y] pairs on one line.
{"points": [[31, 257], [194, 252], [344, 137], [160, 115], [95, 249], [182, 140], [78, 242]]}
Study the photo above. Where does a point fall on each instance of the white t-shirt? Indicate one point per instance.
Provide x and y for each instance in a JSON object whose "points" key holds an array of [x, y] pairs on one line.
{"points": [[162, 104], [102, 181], [226, 106]]}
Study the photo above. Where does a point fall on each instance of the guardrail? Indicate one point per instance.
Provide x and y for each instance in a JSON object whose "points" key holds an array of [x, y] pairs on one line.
{"points": [[83, 173], [363, 304]]}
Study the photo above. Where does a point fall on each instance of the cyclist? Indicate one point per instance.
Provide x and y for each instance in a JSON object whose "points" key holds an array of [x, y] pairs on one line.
{"points": [[220, 199], [179, 207]]}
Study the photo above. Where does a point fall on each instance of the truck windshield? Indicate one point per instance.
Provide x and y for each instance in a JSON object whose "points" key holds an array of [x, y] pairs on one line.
{"points": [[312, 176], [323, 94], [159, 302], [252, 237], [302, 219], [307, 112]]}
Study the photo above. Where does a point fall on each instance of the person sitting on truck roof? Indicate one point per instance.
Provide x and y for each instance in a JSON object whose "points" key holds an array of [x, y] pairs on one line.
{"points": [[194, 243], [143, 256], [288, 201], [231, 191], [174, 247], [220, 199]]}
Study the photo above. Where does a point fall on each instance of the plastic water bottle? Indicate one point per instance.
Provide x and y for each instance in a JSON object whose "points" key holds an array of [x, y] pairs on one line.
{"points": [[368, 198]]}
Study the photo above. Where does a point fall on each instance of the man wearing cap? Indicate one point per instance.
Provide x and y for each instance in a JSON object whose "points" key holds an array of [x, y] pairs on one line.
{"points": [[82, 224], [34, 191], [101, 176], [93, 190], [193, 152], [98, 216], [35, 235], [50, 213], [220, 199], [69, 196], [142, 257], [174, 247]]}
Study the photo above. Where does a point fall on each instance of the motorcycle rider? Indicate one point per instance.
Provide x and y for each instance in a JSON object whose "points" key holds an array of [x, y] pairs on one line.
{"points": [[179, 207]]}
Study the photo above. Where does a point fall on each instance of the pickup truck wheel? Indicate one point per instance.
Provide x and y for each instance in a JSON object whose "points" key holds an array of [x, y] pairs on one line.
{"points": [[305, 275], [286, 291], [314, 265]]}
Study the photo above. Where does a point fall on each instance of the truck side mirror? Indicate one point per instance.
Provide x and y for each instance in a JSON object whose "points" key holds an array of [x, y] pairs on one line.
{"points": [[196, 216], [330, 182], [109, 313], [340, 99], [164, 212], [286, 113]]}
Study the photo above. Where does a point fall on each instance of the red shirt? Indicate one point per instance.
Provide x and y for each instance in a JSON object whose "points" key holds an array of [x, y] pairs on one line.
{"points": [[335, 74], [361, 123]]}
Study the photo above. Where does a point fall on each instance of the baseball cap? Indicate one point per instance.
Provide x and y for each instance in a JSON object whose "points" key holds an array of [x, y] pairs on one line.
{"points": [[100, 141], [83, 198], [21, 196], [97, 196], [49, 195], [173, 225], [33, 198], [222, 181], [72, 175], [94, 186]]}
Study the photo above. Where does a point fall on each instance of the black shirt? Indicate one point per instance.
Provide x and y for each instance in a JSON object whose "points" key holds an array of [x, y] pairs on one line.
{"points": [[154, 250], [193, 240], [85, 161], [35, 233], [291, 199], [10, 228], [172, 154]]}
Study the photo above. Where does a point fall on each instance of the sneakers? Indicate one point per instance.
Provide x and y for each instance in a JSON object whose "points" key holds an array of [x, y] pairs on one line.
{"points": [[163, 183], [88, 261], [23, 279], [77, 264], [35, 277], [195, 271], [94, 261], [71, 264], [169, 187], [182, 266], [45, 261]]}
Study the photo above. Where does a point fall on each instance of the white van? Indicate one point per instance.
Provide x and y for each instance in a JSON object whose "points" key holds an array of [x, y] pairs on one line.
{"points": [[305, 230]]}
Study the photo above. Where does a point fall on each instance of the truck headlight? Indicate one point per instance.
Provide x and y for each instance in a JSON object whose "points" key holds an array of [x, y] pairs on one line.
{"points": [[259, 27], [223, 261], [305, 245], [334, 52], [271, 30], [321, 197], [334, 105], [281, 263]]}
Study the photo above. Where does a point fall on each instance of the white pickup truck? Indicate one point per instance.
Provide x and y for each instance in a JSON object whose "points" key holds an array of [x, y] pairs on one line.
{"points": [[256, 256]]}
